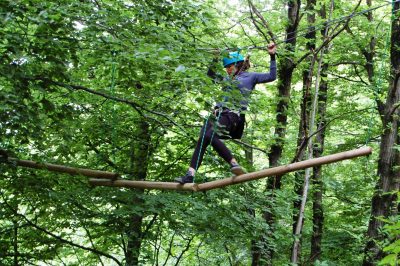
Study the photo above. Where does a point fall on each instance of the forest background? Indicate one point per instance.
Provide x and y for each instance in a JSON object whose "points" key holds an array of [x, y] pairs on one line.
{"points": [[121, 86]]}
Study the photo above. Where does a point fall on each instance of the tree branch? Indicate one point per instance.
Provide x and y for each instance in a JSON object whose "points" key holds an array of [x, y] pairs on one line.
{"points": [[345, 63], [348, 79], [328, 39], [59, 238], [92, 243], [264, 22], [183, 251], [305, 139], [255, 23], [248, 145], [149, 225], [169, 249], [138, 107]]}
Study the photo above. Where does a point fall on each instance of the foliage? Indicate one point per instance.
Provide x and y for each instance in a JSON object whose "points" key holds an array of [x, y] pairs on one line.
{"points": [[391, 244], [77, 79]]}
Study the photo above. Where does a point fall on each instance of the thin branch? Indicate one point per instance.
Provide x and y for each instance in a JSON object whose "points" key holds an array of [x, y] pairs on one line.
{"points": [[264, 22], [255, 23], [248, 145], [59, 238], [169, 249], [103, 156], [348, 79], [333, 36], [345, 63], [124, 245], [305, 140], [149, 225], [157, 246], [183, 251], [359, 75], [92, 243], [58, 256], [138, 107], [303, 145], [135, 105], [247, 35]]}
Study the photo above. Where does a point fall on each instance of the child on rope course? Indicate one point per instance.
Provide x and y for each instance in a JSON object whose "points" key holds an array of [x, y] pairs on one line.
{"points": [[229, 114]]}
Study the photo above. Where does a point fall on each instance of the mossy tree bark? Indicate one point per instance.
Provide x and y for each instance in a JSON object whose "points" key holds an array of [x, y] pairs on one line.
{"points": [[387, 186]]}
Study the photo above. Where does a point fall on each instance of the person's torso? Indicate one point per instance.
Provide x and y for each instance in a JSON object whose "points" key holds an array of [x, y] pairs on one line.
{"points": [[238, 90]]}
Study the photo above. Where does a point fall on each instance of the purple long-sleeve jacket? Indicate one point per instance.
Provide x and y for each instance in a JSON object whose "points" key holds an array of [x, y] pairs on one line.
{"points": [[239, 88]]}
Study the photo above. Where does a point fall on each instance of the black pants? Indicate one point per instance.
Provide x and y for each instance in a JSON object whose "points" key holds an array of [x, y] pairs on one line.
{"points": [[229, 125]]}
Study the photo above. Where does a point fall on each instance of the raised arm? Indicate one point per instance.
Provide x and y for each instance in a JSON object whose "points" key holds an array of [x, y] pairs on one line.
{"points": [[271, 76]]}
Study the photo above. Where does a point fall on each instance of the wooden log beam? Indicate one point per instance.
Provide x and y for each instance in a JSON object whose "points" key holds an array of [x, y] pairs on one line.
{"points": [[280, 170], [143, 184], [64, 169]]}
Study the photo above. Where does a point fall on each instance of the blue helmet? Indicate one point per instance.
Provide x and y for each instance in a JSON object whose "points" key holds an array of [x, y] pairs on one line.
{"points": [[233, 58]]}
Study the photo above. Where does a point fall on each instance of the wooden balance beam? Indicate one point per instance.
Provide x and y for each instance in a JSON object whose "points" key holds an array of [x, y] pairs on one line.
{"points": [[64, 169], [280, 170]]}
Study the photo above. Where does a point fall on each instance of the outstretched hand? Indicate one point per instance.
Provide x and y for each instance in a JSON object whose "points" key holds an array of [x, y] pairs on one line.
{"points": [[271, 48]]}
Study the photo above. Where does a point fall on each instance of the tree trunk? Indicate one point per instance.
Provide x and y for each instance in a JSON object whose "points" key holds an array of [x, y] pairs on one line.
{"points": [[369, 54], [15, 243], [254, 248], [318, 149], [384, 198], [285, 71], [304, 113], [139, 164], [383, 201]]}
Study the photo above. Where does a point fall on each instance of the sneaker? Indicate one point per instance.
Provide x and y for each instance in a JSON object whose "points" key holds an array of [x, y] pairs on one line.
{"points": [[188, 178], [237, 169]]}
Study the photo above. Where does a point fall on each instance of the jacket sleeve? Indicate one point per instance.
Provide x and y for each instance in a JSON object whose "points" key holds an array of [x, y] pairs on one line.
{"points": [[267, 77]]}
